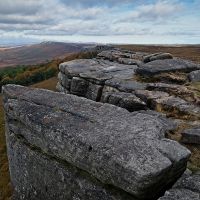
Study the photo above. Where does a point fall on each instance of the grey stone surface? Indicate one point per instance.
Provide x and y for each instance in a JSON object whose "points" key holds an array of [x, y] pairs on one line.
{"points": [[164, 87], [122, 56], [162, 101], [79, 86], [125, 85], [176, 90], [128, 61], [127, 151], [38, 176], [182, 106], [94, 92], [194, 76], [60, 88], [186, 188], [64, 80], [96, 70], [89, 77], [157, 56], [98, 48], [106, 73], [124, 100], [167, 65], [151, 97], [191, 136]]}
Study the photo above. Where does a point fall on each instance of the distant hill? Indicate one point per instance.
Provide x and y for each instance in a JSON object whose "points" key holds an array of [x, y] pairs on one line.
{"points": [[37, 53]]}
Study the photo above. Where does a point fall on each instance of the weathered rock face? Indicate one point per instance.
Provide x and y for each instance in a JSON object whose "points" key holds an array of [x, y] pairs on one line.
{"points": [[187, 188], [167, 65], [124, 100], [157, 56], [169, 88], [96, 78], [67, 147], [194, 76], [124, 57], [93, 78], [162, 101], [191, 136]]}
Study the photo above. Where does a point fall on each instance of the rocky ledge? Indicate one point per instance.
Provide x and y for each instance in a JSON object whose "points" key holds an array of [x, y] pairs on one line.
{"points": [[107, 133], [135, 81], [61, 146], [143, 82], [186, 188]]}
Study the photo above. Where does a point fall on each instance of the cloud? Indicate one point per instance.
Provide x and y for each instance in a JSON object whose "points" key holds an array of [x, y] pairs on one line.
{"points": [[94, 3], [23, 7], [93, 19], [150, 12]]}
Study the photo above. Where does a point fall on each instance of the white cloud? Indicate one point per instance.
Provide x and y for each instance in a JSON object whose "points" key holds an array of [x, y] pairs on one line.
{"points": [[157, 11], [103, 19], [23, 7]]}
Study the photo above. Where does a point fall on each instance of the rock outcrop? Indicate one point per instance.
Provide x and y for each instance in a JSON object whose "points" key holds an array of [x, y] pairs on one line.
{"points": [[157, 56], [186, 188], [62, 146], [142, 82], [94, 78], [106, 79], [167, 65], [191, 136], [106, 134], [194, 76]]}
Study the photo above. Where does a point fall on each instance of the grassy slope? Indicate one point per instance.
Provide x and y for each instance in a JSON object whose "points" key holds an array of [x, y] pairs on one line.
{"points": [[5, 188]]}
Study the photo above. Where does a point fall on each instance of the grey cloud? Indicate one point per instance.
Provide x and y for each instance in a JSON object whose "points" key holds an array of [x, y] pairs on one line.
{"points": [[17, 19], [22, 27], [152, 12], [91, 3], [89, 17], [24, 7], [75, 27]]}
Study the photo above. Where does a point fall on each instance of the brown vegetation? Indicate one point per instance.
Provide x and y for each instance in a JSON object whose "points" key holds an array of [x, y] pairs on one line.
{"points": [[37, 53], [190, 52]]}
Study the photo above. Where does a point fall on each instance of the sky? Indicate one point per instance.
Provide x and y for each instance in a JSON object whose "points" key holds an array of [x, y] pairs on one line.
{"points": [[108, 21]]}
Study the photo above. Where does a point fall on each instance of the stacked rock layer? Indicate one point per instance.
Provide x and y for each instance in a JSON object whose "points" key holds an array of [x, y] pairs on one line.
{"points": [[104, 135], [62, 146]]}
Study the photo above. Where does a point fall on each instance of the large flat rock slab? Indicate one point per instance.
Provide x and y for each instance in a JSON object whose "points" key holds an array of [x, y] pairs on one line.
{"points": [[127, 151], [167, 65], [97, 70]]}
